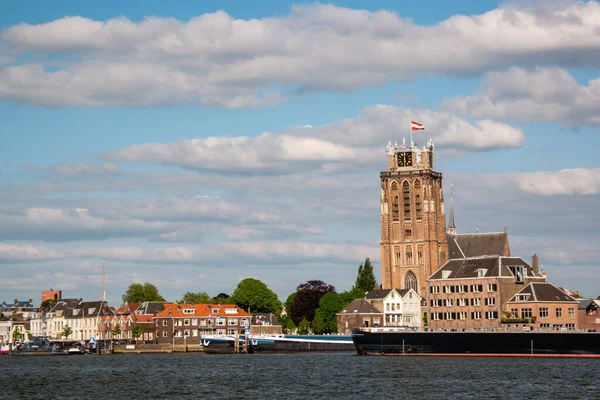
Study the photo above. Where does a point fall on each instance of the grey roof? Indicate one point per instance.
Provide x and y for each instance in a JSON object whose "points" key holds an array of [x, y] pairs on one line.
{"points": [[478, 244], [360, 306], [402, 292], [377, 294], [494, 266], [150, 307], [584, 304], [86, 309], [543, 291]]}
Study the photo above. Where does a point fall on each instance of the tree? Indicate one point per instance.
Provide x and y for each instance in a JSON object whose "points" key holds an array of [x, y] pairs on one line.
{"points": [[304, 327], [196, 298], [66, 332], [138, 293], [326, 315], [16, 336], [365, 279], [252, 294], [116, 330], [221, 298], [136, 332], [287, 325], [306, 300]]}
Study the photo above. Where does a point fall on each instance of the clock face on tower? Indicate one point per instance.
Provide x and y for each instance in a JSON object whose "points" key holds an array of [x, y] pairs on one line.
{"points": [[405, 159]]}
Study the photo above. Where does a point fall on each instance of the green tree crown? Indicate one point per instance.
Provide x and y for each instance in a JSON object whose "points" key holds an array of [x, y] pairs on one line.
{"points": [[138, 293], [365, 278], [254, 295]]}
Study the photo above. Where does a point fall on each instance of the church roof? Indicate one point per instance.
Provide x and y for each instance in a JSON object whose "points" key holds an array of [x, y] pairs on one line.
{"points": [[478, 244], [490, 266]]}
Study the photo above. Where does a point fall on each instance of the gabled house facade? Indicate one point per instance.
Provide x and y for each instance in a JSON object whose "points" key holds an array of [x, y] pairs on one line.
{"points": [[359, 313], [400, 307], [542, 306]]}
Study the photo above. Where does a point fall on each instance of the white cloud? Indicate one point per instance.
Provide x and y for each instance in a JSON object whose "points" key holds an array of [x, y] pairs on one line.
{"points": [[542, 94], [11, 253], [579, 181], [216, 60], [342, 146]]}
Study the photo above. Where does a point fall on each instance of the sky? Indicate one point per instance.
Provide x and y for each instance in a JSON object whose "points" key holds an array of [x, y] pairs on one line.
{"points": [[195, 144]]}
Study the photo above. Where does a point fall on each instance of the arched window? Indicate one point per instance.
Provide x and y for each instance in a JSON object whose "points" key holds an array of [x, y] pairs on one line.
{"points": [[398, 254], [419, 208], [395, 202], [406, 193], [420, 260], [409, 255], [410, 281]]}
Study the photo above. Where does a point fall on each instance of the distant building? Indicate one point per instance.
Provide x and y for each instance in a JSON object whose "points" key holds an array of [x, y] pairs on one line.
{"points": [[265, 324], [54, 295], [400, 307], [473, 292], [588, 314], [359, 313], [85, 318], [542, 306], [182, 324]]}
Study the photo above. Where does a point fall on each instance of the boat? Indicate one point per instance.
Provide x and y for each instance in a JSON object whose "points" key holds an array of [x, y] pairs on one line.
{"points": [[4, 349], [225, 344], [400, 341], [46, 347]]}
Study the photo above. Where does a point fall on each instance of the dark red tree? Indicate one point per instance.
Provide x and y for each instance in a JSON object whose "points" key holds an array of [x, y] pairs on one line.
{"points": [[307, 299]]}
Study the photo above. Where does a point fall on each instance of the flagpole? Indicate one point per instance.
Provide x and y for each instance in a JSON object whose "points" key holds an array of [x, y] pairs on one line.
{"points": [[411, 142]]}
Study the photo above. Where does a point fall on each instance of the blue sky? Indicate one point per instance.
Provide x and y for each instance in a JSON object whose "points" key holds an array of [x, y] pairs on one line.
{"points": [[193, 145]]}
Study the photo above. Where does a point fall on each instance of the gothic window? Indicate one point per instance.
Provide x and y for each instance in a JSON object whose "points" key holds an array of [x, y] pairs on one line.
{"points": [[420, 260], [398, 256], [395, 203], [407, 233], [406, 193], [410, 281], [409, 255], [417, 185], [419, 209]]}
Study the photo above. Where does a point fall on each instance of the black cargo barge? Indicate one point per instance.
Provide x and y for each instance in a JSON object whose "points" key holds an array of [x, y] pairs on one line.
{"points": [[398, 342]]}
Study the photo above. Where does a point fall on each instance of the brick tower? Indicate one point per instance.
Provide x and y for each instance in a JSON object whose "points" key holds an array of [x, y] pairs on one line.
{"points": [[413, 223]]}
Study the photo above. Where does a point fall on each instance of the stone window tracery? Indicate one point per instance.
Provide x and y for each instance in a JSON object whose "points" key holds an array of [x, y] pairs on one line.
{"points": [[406, 193], [410, 281]]}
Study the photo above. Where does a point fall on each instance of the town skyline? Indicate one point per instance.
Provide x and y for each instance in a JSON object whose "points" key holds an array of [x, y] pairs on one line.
{"points": [[194, 146]]}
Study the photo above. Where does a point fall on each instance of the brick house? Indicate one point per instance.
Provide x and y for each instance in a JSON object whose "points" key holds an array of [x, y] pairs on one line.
{"points": [[542, 306], [359, 313], [183, 324], [472, 293], [588, 314]]}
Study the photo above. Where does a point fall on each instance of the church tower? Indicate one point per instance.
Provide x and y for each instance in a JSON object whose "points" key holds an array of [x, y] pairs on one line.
{"points": [[413, 223]]}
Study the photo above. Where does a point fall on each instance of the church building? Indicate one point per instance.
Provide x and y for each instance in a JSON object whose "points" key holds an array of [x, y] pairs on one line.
{"points": [[415, 242]]}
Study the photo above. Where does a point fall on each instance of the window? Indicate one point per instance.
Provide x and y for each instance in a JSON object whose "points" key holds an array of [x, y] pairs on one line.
{"points": [[518, 272], [481, 272], [463, 302], [194, 332], [476, 315], [376, 321], [544, 312], [492, 287], [462, 315], [406, 194], [476, 288], [398, 258], [165, 322], [409, 255], [186, 332], [194, 321], [387, 307], [186, 322], [410, 281], [418, 207], [514, 313], [220, 321], [490, 301], [164, 333], [420, 260], [434, 289], [475, 302], [407, 233], [395, 202], [491, 315], [559, 313], [544, 326], [526, 313], [571, 313]]}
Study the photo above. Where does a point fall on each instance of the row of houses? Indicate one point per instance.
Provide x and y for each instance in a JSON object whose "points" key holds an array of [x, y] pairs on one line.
{"points": [[477, 293]]}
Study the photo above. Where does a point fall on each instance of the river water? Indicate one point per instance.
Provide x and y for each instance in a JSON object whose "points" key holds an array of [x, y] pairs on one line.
{"points": [[296, 376]]}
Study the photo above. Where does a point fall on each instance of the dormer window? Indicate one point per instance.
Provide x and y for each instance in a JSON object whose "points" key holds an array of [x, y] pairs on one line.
{"points": [[446, 274], [481, 272], [518, 272]]}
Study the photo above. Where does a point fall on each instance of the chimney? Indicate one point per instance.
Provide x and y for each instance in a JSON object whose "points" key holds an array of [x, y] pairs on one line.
{"points": [[534, 264]]}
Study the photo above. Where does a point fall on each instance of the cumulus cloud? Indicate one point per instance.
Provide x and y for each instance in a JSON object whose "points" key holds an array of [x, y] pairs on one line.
{"points": [[540, 94], [217, 60], [579, 181], [11, 253], [53, 224], [331, 148]]}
